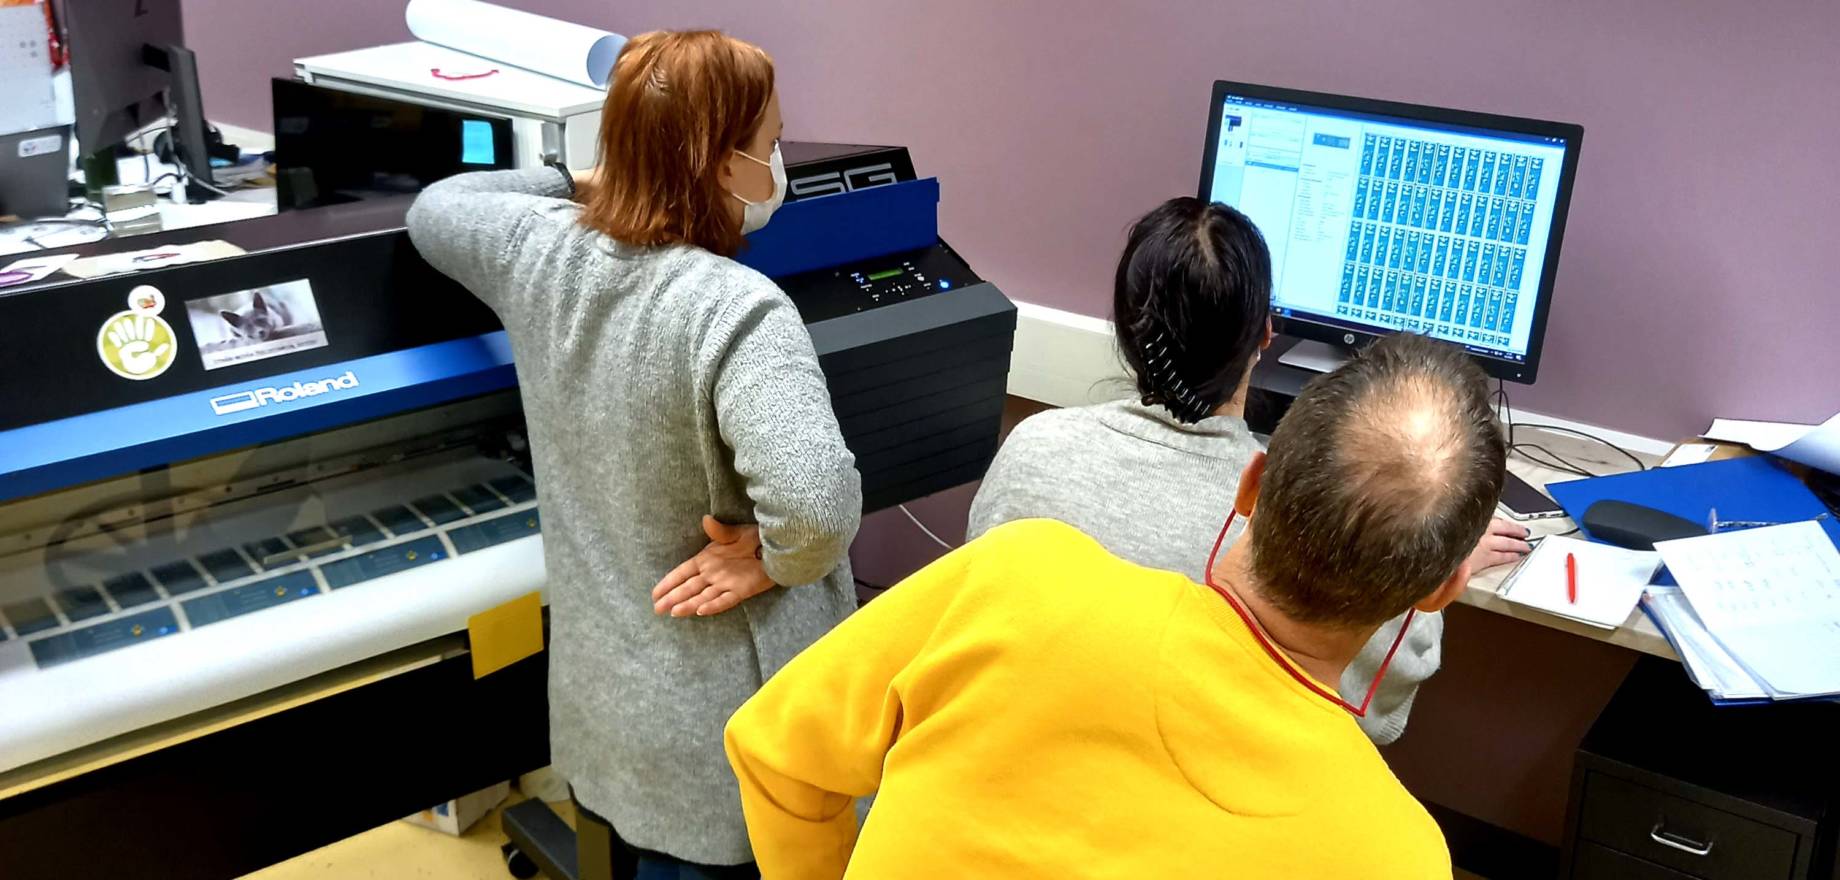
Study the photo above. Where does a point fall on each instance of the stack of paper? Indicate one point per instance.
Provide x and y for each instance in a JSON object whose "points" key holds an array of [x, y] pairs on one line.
{"points": [[1710, 666], [1610, 580], [1768, 600]]}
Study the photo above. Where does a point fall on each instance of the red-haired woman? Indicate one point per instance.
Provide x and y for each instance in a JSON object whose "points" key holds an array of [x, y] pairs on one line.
{"points": [[662, 381]]}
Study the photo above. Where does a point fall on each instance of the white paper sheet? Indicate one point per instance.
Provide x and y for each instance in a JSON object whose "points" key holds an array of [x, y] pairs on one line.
{"points": [[1761, 436], [549, 46], [1689, 453], [1771, 596], [1610, 580], [1817, 446]]}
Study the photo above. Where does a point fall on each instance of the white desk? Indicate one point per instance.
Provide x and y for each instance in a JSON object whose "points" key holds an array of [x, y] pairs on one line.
{"points": [[1638, 633]]}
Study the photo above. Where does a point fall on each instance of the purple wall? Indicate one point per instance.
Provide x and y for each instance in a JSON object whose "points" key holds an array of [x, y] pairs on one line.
{"points": [[1696, 262]]}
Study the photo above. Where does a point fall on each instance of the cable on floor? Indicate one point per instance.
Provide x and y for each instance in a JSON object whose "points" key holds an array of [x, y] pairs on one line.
{"points": [[922, 527]]}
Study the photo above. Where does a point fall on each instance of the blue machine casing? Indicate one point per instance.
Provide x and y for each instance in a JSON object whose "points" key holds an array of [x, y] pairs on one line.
{"points": [[831, 230], [805, 235]]}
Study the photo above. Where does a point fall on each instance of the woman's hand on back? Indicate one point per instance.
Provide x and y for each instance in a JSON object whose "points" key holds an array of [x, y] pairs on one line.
{"points": [[718, 577]]}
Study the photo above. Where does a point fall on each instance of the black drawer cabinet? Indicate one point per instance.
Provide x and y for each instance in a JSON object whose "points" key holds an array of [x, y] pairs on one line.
{"points": [[1596, 861], [1669, 787]]}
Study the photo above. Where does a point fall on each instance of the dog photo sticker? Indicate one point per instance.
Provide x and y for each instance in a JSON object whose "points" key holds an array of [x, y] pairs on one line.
{"points": [[245, 326]]}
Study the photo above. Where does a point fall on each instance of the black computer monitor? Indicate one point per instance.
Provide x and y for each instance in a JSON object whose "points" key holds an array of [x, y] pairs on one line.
{"points": [[1383, 217], [130, 68]]}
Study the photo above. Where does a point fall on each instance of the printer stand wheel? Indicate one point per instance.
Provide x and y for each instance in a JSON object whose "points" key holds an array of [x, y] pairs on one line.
{"points": [[521, 866]]}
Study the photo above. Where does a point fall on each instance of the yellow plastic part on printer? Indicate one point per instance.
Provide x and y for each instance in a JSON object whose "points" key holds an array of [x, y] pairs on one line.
{"points": [[504, 635]]}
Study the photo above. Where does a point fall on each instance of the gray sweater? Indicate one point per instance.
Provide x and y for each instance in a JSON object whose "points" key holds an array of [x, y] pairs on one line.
{"points": [[659, 384], [1155, 492]]}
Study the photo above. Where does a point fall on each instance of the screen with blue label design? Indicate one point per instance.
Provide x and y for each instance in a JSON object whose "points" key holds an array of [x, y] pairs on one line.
{"points": [[476, 147], [1386, 223]]}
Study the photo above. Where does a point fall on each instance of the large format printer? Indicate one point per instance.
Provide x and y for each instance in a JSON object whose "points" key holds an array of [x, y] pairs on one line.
{"points": [[193, 516]]}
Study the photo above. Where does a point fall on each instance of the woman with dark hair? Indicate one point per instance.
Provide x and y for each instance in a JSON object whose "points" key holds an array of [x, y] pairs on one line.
{"points": [[1150, 478], [663, 381]]}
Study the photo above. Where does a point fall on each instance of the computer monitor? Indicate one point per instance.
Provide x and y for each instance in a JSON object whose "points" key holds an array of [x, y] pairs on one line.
{"points": [[129, 68], [1383, 217]]}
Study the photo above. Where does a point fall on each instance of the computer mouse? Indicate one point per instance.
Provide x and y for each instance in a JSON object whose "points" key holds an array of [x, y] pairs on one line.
{"points": [[1635, 527]]}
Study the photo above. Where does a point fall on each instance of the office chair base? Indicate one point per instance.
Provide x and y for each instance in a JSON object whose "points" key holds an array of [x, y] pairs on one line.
{"points": [[541, 843]]}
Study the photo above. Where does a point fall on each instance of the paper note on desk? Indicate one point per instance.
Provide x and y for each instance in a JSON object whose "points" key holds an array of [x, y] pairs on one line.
{"points": [[1771, 596], [32, 269], [1610, 580], [152, 258]]}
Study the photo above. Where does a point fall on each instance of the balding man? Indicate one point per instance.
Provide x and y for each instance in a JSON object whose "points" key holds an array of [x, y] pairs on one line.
{"points": [[1031, 706]]}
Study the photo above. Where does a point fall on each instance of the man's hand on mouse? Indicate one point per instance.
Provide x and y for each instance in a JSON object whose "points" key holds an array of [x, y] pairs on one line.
{"points": [[1503, 543]]}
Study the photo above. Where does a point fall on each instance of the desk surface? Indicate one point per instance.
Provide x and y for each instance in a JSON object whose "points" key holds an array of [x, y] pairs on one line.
{"points": [[1638, 633], [82, 225]]}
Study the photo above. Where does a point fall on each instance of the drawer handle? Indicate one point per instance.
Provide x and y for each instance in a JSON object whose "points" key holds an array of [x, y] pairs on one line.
{"points": [[1674, 841]]}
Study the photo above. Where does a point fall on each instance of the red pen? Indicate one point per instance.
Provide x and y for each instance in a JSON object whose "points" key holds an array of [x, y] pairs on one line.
{"points": [[1571, 578]]}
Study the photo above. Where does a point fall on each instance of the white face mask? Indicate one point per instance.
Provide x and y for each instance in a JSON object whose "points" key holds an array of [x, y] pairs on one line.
{"points": [[755, 216]]}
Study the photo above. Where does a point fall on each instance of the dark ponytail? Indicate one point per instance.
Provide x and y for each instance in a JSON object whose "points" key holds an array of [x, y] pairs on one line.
{"points": [[1190, 304]]}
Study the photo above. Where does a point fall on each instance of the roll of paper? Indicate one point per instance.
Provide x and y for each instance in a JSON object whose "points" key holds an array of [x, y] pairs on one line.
{"points": [[549, 46]]}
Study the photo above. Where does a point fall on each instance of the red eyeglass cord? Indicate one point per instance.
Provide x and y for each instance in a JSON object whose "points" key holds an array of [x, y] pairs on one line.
{"points": [[1303, 678]]}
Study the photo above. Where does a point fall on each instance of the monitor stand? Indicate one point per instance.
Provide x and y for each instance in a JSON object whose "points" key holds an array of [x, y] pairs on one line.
{"points": [[1317, 357], [190, 138]]}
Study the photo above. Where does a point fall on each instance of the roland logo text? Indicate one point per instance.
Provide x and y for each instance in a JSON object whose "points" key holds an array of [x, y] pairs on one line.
{"points": [[258, 397]]}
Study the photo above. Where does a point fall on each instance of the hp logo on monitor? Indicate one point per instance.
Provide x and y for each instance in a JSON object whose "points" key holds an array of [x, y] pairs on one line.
{"points": [[1347, 338]]}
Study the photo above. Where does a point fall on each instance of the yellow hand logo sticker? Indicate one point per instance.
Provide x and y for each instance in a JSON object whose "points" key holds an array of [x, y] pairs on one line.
{"points": [[136, 346]]}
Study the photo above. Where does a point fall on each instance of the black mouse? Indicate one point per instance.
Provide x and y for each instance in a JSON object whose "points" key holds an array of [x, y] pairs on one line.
{"points": [[1636, 527]]}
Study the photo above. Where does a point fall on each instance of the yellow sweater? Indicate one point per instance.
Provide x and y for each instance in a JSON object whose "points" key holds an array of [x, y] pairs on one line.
{"points": [[1031, 706]]}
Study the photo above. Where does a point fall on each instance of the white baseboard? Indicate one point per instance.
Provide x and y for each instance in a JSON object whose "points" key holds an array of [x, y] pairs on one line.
{"points": [[1064, 358]]}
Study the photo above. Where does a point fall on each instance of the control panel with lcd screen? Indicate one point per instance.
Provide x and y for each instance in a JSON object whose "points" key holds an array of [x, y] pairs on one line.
{"points": [[873, 283]]}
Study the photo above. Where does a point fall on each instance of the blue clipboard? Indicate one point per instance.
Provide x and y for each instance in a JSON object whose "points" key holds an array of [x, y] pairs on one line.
{"points": [[1755, 488]]}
